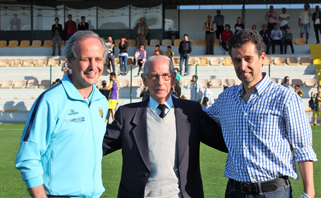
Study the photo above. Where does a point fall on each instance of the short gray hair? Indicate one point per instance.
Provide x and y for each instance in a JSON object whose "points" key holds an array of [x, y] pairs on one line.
{"points": [[152, 58], [70, 48]]}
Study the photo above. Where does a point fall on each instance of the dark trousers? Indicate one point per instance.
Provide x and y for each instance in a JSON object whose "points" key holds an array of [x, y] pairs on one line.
{"points": [[280, 42], [224, 45], [317, 29], [283, 28], [56, 39], [267, 43], [140, 40], [111, 58], [140, 65], [67, 36], [271, 26], [286, 43], [209, 38], [219, 30]]}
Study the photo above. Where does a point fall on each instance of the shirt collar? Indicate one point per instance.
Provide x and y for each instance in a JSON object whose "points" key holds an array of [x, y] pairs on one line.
{"points": [[260, 87], [153, 104]]}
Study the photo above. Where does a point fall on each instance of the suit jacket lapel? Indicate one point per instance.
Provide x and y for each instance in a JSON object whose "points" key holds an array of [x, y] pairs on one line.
{"points": [[183, 128], [140, 131]]}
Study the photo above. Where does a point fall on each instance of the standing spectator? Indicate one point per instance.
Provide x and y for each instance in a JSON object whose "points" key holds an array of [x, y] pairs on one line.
{"points": [[141, 32], [271, 16], [15, 22], [298, 90], [287, 38], [276, 35], [104, 89], [265, 33], [226, 35], [145, 92], [110, 44], [209, 28], [196, 89], [158, 51], [176, 90], [209, 94], [123, 56], [239, 25], [317, 105], [185, 48], [178, 75], [169, 52], [140, 57], [254, 28], [219, 22], [284, 20], [70, 27], [286, 82], [317, 23], [304, 22], [113, 95], [56, 30], [83, 25]]}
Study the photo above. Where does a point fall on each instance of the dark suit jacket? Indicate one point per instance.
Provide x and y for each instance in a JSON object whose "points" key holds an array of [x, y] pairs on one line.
{"points": [[53, 27], [128, 132]]}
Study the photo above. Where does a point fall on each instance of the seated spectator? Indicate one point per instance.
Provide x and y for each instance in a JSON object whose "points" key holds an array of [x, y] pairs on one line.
{"points": [[140, 57], [276, 35], [238, 25], [286, 81], [65, 69], [169, 53], [176, 90], [205, 102], [226, 35], [317, 104], [196, 95], [104, 90], [254, 27], [287, 38], [298, 90], [265, 33], [145, 92], [178, 75], [209, 95], [54, 82], [158, 51]]}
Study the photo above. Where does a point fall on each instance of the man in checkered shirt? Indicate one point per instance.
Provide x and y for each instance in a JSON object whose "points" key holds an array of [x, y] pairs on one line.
{"points": [[264, 126]]}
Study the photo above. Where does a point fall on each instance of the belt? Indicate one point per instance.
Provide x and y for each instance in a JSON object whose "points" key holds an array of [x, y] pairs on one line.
{"points": [[261, 187]]}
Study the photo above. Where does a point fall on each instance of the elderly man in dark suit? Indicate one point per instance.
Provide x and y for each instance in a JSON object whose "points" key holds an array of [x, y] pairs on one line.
{"points": [[160, 139]]}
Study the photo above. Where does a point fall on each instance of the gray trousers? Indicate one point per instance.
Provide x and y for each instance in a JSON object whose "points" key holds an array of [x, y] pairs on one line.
{"points": [[55, 39], [140, 40], [111, 58], [210, 39]]}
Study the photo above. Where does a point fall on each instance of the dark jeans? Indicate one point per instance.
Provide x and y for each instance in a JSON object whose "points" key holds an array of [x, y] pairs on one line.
{"points": [[123, 63], [224, 46], [182, 58], [111, 58], [283, 28], [271, 26], [267, 43], [317, 29], [219, 30], [56, 39], [68, 36], [281, 192], [140, 65], [280, 42], [286, 43]]}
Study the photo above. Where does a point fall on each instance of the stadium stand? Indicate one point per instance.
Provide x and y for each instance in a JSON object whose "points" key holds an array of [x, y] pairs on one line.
{"points": [[3, 44], [299, 41], [47, 43], [6, 84], [229, 82], [217, 42], [45, 84], [177, 42], [312, 83], [136, 83], [154, 42], [41, 62], [203, 82], [123, 83], [166, 42], [36, 43], [191, 61], [13, 44], [297, 82], [28, 62], [279, 61], [176, 61], [54, 62], [216, 83], [292, 61], [117, 41], [201, 42], [19, 84], [305, 61], [24, 43], [267, 61], [32, 84], [202, 61], [4, 62], [62, 61], [193, 41], [215, 61], [227, 61], [131, 42], [17, 62]]}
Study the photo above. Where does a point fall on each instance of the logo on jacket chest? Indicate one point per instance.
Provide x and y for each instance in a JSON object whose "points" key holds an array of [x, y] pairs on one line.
{"points": [[72, 112]]}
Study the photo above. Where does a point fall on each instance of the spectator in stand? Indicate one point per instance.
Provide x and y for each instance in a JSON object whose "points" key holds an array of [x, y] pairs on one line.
{"points": [[70, 27], [83, 25], [287, 38], [196, 89], [65, 69], [183, 97], [265, 33], [104, 89], [15, 22], [176, 90], [284, 20], [271, 16], [56, 30], [219, 22], [123, 56], [169, 52], [145, 92], [316, 18], [140, 57], [226, 35], [238, 25], [185, 48], [304, 22], [178, 75], [209, 28], [113, 95], [276, 35], [110, 56], [204, 102], [298, 90], [141, 32], [254, 28], [157, 49], [209, 94], [317, 105], [286, 82]]}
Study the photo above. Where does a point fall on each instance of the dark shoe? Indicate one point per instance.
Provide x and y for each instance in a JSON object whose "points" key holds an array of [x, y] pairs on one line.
{"points": [[59, 54], [185, 74], [314, 124], [53, 54]]}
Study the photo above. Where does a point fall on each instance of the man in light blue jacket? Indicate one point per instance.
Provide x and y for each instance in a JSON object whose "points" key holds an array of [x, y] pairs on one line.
{"points": [[61, 145]]}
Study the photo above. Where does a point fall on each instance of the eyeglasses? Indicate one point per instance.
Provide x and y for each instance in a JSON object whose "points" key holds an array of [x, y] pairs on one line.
{"points": [[154, 77]]}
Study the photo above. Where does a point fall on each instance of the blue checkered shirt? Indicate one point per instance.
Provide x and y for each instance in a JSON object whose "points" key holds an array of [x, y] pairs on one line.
{"points": [[262, 134]]}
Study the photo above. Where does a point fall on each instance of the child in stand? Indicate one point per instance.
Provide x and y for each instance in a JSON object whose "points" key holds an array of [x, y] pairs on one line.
{"points": [[169, 53], [158, 51], [113, 95], [287, 38], [317, 104], [298, 90]]}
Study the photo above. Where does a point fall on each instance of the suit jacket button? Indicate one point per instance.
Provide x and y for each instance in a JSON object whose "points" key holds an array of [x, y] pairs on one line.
{"points": [[146, 174]]}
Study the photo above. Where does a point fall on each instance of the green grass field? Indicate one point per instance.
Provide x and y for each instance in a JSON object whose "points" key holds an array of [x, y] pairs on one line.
{"points": [[212, 166]]}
